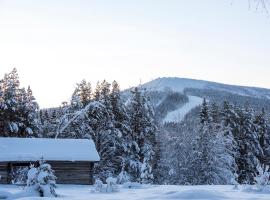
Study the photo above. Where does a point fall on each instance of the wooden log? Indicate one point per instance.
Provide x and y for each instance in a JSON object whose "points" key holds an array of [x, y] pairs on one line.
{"points": [[66, 172]]}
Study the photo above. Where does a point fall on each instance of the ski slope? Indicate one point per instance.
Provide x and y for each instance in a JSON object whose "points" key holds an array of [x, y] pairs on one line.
{"points": [[179, 114]]}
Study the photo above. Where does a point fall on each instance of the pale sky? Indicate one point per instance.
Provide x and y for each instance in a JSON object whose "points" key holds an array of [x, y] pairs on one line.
{"points": [[56, 43]]}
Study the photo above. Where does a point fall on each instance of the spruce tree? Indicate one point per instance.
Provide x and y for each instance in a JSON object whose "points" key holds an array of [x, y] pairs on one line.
{"points": [[121, 127], [249, 147], [204, 113], [212, 163], [97, 92], [263, 130], [82, 94], [143, 135], [18, 108]]}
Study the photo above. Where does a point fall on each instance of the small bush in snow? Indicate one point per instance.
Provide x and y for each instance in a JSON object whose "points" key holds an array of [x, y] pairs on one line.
{"points": [[262, 179], [112, 185], [32, 176], [123, 177], [234, 182], [98, 186], [42, 180]]}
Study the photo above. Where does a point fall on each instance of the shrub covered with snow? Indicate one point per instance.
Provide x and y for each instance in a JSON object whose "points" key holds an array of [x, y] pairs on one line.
{"points": [[146, 172], [234, 182], [42, 180], [98, 186], [123, 177], [112, 185], [262, 179]]}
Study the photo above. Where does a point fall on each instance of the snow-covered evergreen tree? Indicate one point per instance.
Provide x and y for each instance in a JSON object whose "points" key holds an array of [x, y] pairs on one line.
{"points": [[121, 130], [143, 137], [28, 112], [248, 145], [263, 130], [262, 179], [211, 163], [42, 180], [19, 109], [104, 120]]}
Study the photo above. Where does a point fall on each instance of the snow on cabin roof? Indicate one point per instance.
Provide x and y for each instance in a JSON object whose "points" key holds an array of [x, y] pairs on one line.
{"points": [[33, 149]]}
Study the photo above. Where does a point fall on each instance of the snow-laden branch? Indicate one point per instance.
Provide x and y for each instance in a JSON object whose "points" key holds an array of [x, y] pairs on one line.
{"points": [[76, 115]]}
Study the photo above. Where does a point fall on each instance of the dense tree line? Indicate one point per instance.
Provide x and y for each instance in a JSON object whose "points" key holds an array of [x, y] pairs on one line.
{"points": [[18, 108], [124, 131], [217, 145]]}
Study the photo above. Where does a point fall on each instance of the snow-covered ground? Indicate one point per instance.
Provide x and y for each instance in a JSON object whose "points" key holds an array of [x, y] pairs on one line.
{"points": [[179, 114], [72, 192]]}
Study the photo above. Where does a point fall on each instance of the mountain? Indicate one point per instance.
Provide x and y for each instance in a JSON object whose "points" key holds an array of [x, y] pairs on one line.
{"points": [[181, 84], [174, 97]]}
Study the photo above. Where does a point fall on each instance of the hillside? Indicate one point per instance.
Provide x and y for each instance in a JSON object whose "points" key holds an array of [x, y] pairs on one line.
{"points": [[181, 84], [193, 91]]}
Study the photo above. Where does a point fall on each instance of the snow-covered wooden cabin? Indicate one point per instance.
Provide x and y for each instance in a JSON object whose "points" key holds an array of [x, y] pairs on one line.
{"points": [[71, 159]]}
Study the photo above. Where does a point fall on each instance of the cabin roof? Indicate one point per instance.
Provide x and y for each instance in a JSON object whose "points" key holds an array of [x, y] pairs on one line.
{"points": [[33, 149]]}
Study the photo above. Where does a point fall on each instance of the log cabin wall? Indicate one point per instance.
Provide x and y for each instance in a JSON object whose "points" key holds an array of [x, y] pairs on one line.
{"points": [[65, 171], [73, 172], [4, 173]]}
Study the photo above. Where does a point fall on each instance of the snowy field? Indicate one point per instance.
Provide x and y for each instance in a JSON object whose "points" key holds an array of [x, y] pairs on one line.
{"points": [[71, 192], [179, 114]]}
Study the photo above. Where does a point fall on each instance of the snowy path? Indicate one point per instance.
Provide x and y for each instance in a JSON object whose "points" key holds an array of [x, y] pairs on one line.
{"points": [[179, 114], [71, 192]]}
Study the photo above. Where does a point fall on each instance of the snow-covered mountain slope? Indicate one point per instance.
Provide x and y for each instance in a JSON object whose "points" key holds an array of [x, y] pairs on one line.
{"points": [[180, 84], [169, 96], [180, 113]]}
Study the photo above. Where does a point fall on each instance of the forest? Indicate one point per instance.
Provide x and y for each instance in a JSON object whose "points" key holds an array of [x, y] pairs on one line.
{"points": [[217, 143]]}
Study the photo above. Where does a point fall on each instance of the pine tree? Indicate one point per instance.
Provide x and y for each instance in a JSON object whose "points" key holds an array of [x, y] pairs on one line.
{"points": [[85, 92], [10, 87], [121, 128], [263, 130], [18, 108], [104, 94], [28, 111], [249, 146], [143, 137], [76, 102], [229, 128], [211, 164], [95, 120], [97, 92], [103, 134], [204, 114], [41, 118], [214, 113], [82, 94]]}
